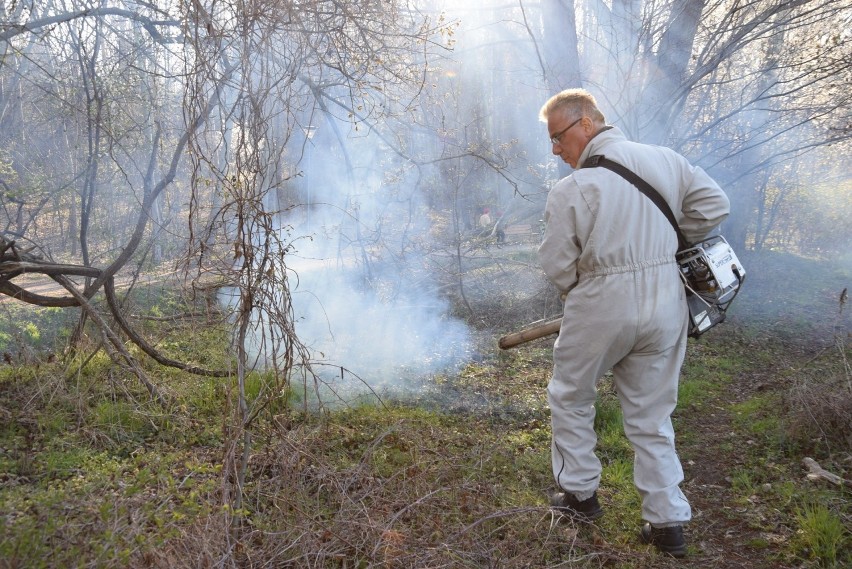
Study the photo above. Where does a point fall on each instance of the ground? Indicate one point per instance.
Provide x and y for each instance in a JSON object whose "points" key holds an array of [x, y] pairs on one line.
{"points": [[453, 473], [722, 530], [741, 481]]}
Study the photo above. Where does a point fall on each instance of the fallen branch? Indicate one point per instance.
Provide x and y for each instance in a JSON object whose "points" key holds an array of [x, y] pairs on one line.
{"points": [[16, 263], [816, 472], [110, 335], [109, 290]]}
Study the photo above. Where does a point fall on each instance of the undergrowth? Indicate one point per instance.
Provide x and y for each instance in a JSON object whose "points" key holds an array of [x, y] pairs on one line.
{"points": [[451, 471]]}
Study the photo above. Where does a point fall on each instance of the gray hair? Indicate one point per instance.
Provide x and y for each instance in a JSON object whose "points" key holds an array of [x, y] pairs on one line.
{"points": [[576, 101]]}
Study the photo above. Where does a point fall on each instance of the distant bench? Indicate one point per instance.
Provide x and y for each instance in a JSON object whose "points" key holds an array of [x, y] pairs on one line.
{"points": [[520, 232]]}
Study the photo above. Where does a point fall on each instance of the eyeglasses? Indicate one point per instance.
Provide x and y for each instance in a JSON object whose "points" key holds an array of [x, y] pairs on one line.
{"points": [[555, 138]]}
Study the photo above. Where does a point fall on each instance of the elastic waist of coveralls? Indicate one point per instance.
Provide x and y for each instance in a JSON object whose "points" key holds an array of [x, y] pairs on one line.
{"points": [[631, 268]]}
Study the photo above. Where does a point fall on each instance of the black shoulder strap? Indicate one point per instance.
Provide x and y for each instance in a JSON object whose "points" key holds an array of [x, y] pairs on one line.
{"points": [[643, 186]]}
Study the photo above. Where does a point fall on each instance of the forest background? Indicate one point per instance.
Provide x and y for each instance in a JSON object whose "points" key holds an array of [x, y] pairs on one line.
{"points": [[310, 177]]}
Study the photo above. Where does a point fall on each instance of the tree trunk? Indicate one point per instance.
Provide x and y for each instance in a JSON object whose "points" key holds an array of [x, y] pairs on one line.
{"points": [[663, 96], [561, 58]]}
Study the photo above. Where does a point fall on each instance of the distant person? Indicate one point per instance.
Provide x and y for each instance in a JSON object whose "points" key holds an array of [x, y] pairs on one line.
{"points": [[611, 253], [485, 219], [499, 228]]}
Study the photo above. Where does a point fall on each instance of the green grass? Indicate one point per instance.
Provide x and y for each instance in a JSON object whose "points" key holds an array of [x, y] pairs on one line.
{"points": [[26, 330], [423, 477], [93, 473], [822, 534]]}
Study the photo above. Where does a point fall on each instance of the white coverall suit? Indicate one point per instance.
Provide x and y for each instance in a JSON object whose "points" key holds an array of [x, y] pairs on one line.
{"points": [[613, 252]]}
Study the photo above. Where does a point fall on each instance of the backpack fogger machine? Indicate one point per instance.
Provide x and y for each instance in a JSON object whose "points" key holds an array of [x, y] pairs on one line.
{"points": [[712, 275]]}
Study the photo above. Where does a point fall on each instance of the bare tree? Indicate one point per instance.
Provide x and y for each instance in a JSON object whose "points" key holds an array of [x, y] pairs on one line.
{"points": [[255, 77], [743, 88], [278, 71]]}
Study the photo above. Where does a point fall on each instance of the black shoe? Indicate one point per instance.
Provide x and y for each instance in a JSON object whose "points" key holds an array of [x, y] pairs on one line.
{"points": [[586, 511], [668, 540]]}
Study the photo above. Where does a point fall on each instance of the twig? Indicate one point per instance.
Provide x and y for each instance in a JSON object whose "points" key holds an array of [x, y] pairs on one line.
{"points": [[86, 361]]}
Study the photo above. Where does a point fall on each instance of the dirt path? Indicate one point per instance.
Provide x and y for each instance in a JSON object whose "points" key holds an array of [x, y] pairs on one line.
{"points": [[39, 284], [729, 530]]}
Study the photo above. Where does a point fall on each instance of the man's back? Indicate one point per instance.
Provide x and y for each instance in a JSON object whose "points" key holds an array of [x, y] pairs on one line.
{"points": [[603, 224]]}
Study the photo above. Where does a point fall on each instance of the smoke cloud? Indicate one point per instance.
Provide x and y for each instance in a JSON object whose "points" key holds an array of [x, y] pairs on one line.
{"points": [[367, 292], [364, 290]]}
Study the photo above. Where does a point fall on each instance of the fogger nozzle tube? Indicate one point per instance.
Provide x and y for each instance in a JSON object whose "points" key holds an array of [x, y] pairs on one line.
{"points": [[530, 334]]}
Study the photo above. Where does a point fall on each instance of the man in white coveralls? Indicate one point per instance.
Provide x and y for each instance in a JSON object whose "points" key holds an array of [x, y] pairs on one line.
{"points": [[611, 253]]}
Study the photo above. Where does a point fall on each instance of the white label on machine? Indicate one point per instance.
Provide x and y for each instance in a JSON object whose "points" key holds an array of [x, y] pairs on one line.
{"points": [[723, 260]]}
